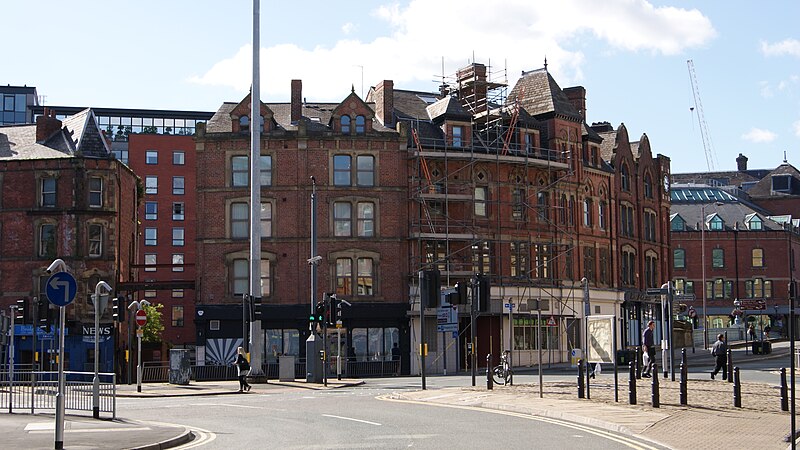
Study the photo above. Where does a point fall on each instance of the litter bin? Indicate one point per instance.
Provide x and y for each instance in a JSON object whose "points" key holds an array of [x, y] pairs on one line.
{"points": [[624, 357], [766, 347], [758, 349], [286, 368]]}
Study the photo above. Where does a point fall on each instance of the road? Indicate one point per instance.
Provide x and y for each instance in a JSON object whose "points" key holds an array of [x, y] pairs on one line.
{"points": [[361, 417]]}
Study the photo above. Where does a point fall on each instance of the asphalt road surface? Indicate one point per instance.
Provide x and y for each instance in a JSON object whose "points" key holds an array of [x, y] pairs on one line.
{"points": [[361, 417]]}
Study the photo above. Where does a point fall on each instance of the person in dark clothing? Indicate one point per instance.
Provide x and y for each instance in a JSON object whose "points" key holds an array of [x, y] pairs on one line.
{"points": [[648, 349], [242, 368], [396, 357], [720, 353]]}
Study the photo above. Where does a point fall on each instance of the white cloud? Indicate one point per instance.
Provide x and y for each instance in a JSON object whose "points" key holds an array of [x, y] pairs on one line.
{"points": [[757, 136], [785, 47], [796, 128], [507, 34], [348, 28]]}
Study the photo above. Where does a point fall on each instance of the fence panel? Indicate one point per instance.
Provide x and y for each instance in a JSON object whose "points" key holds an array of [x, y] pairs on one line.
{"points": [[31, 391]]}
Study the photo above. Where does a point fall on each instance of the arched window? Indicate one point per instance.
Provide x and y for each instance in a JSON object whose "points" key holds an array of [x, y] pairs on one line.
{"points": [[625, 178], [345, 122], [360, 125], [244, 123]]}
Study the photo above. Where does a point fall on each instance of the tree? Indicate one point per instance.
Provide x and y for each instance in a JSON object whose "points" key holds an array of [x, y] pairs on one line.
{"points": [[154, 326]]}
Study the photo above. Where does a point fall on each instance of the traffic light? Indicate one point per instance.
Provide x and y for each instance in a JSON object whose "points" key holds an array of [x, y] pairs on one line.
{"points": [[22, 313], [482, 280], [334, 309], [430, 285], [45, 313], [459, 297], [256, 308], [319, 312], [118, 308]]}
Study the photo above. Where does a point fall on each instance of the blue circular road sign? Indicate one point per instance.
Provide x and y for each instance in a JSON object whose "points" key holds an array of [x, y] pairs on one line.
{"points": [[61, 289]]}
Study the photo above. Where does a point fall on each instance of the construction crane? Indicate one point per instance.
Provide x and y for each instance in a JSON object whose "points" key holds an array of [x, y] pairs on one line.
{"points": [[704, 133]]}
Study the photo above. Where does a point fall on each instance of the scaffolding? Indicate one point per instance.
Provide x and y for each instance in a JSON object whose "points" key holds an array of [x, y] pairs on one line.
{"points": [[486, 200]]}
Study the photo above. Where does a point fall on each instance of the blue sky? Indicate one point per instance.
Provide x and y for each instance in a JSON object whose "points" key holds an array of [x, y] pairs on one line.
{"points": [[630, 55]]}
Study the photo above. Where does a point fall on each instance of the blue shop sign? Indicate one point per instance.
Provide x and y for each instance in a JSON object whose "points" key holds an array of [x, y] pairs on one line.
{"points": [[27, 330]]}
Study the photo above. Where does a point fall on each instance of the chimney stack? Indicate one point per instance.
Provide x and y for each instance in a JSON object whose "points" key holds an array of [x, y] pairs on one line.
{"points": [[384, 103], [577, 96], [47, 125], [473, 88], [297, 101], [741, 163]]}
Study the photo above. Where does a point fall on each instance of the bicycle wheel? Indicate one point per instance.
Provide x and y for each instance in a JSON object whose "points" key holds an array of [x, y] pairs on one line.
{"points": [[498, 375]]}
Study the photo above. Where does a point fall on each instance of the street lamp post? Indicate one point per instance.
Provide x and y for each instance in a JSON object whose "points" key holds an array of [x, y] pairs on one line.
{"points": [[703, 264], [96, 380]]}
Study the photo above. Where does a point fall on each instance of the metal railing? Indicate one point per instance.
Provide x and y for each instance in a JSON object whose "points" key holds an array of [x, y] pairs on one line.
{"points": [[351, 368], [32, 391]]}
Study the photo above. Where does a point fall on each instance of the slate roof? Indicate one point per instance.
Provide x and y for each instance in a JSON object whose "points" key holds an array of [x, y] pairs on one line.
{"points": [[688, 202], [317, 116], [543, 96], [608, 145], [447, 108], [763, 188], [79, 136]]}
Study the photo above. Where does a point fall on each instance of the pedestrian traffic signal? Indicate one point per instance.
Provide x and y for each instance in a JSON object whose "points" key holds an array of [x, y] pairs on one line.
{"points": [[118, 308], [44, 312], [256, 308], [319, 312], [482, 281], [334, 309], [22, 313], [459, 297], [430, 285]]}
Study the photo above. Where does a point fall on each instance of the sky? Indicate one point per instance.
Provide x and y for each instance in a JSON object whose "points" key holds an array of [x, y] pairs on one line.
{"points": [[630, 55]]}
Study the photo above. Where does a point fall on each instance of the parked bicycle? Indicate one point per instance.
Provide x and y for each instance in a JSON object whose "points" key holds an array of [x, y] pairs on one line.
{"points": [[501, 373]]}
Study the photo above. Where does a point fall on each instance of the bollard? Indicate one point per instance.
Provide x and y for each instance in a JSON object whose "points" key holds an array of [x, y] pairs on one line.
{"points": [[638, 363], [489, 381], [655, 397], [730, 365], [684, 362], [737, 389], [580, 378], [683, 390], [784, 391], [632, 383]]}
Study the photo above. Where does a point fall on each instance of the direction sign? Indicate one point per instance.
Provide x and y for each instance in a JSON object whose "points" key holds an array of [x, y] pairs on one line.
{"points": [[685, 297], [753, 303], [656, 291], [141, 317], [447, 327], [61, 289]]}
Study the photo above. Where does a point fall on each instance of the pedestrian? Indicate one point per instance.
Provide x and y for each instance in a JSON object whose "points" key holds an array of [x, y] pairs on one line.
{"points": [[766, 331], [751, 331], [242, 368], [648, 349], [720, 353]]}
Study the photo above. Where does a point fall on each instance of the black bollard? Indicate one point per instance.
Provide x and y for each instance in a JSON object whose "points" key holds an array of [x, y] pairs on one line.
{"points": [[730, 365], [489, 381], [737, 389], [638, 363], [632, 383], [580, 378], [683, 390], [684, 362], [784, 391], [654, 396]]}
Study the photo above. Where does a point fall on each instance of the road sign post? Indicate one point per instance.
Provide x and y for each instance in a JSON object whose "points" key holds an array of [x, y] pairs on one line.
{"points": [[60, 289]]}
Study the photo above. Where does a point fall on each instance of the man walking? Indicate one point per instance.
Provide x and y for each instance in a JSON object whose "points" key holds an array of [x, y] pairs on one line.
{"points": [[720, 353], [648, 349]]}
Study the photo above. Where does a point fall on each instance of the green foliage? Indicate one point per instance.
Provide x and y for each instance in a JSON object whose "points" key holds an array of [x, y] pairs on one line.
{"points": [[155, 325]]}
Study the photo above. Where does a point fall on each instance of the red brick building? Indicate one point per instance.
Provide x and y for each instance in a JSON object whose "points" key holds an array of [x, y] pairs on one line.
{"points": [[166, 254], [738, 231], [64, 196], [361, 187]]}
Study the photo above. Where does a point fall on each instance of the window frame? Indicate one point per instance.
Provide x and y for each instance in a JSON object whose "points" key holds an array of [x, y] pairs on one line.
{"points": [[151, 157], [178, 158], [52, 241], [151, 184], [178, 262], [340, 171], [95, 193], [757, 260], [178, 237], [365, 226], [237, 171], [368, 174], [480, 201], [95, 240], [679, 262], [179, 216], [148, 214], [717, 258], [150, 236], [178, 185], [342, 221], [48, 196], [237, 223]]}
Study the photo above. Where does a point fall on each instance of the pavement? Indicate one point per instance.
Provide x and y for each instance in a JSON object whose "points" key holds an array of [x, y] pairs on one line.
{"points": [[710, 421]]}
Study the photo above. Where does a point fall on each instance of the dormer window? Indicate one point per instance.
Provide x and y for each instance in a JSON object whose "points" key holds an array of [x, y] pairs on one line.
{"points": [[244, 123], [782, 183], [715, 224], [754, 223], [458, 135], [677, 223], [345, 123], [360, 124]]}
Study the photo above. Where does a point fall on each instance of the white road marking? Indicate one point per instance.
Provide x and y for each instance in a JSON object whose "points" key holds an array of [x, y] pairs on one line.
{"points": [[354, 420], [91, 430]]}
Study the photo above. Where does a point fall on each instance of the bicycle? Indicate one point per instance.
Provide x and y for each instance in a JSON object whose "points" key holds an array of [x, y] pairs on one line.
{"points": [[501, 373]]}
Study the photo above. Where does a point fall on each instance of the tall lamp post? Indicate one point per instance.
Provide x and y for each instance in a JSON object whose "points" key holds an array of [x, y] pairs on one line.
{"points": [[96, 379], [703, 265]]}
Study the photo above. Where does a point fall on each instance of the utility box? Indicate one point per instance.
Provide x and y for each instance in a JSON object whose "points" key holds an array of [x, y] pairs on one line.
{"points": [[286, 368], [180, 370]]}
